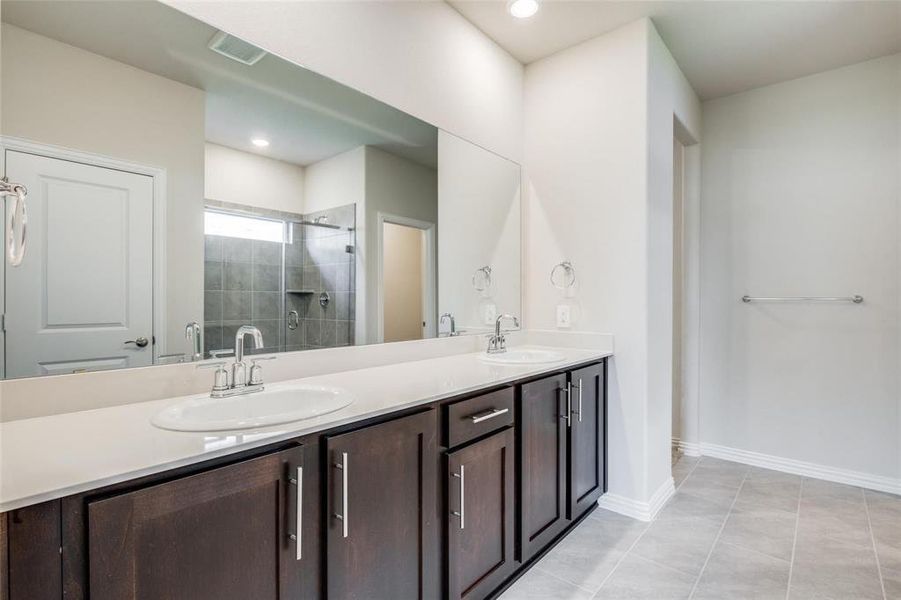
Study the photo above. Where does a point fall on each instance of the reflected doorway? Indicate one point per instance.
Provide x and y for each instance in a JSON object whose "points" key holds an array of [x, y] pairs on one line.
{"points": [[407, 279]]}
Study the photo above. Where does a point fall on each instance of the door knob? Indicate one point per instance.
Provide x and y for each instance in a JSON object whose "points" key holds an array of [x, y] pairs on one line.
{"points": [[139, 342]]}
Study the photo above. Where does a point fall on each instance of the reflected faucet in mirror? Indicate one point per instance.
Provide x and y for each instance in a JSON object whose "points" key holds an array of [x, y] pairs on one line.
{"points": [[452, 332], [194, 334], [497, 343]]}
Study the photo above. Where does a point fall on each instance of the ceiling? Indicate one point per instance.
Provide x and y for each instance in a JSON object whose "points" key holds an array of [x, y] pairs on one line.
{"points": [[723, 46], [305, 116]]}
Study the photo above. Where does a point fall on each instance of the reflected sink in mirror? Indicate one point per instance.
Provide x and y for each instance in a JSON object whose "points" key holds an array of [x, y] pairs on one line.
{"points": [[523, 356], [282, 404]]}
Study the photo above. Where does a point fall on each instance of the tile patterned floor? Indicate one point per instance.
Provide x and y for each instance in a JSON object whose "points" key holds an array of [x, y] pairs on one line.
{"points": [[732, 532]]}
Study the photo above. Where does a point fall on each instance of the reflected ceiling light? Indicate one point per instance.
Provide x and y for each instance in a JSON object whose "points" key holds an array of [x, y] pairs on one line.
{"points": [[522, 9], [259, 142]]}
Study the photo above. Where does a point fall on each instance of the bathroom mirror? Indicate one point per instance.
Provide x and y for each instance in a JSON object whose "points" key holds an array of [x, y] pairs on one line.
{"points": [[183, 182]]}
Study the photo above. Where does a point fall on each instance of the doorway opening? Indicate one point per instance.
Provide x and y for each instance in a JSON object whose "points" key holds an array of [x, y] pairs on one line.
{"points": [[407, 279]]}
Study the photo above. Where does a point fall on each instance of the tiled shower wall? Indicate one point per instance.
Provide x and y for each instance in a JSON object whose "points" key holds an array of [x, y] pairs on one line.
{"points": [[258, 283], [322, 263]]}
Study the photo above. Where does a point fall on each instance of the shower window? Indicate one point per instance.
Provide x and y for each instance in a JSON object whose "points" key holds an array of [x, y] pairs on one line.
{"points": [[244, 227]]}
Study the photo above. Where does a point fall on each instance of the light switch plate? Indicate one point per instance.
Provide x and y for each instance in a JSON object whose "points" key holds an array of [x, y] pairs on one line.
{"points": [[564, 319]]}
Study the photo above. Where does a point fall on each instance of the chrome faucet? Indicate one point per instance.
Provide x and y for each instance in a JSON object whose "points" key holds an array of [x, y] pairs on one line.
{"points": [[498, 343], [453, 324], [241, 382], [194, 334], [239, 369]]}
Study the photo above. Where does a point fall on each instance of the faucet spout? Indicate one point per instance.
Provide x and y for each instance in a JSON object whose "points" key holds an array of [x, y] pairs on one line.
{"points": [[498, 343], [245, 330]]}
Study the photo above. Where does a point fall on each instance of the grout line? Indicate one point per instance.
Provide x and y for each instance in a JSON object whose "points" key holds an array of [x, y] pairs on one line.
{"points": [[791, 566], [559, 578], [718, 534], [866, 506], [645, 530]]}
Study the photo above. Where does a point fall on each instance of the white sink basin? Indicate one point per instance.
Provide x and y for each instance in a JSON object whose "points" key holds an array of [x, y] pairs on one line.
{"points": [[275, 406], [523, 356]]}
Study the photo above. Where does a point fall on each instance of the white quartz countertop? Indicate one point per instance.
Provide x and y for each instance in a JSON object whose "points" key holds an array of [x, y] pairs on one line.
{"points": [[51, 457]]}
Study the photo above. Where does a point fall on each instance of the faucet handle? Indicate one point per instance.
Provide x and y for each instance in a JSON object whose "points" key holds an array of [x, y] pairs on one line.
{"points": [[220, 377], [256, 371]]}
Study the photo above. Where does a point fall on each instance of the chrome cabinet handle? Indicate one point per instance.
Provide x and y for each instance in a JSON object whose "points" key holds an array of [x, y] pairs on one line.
{"points": [[139, 342], [297, 537], [489, 414], [579, 387], [344, 504], [462, 514], [567, 414]]}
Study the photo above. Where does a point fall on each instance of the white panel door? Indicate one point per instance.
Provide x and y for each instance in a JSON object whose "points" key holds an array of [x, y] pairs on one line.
{"points": [[85, 286]]}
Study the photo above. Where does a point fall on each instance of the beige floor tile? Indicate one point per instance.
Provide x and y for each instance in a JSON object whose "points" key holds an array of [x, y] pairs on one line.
{"points": [[681, 543], [736, 573], [639, 579], [536, 584], [770, 532]]}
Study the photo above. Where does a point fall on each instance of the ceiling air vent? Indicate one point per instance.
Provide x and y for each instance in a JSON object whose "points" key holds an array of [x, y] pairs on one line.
{"points": [[236, 49]]}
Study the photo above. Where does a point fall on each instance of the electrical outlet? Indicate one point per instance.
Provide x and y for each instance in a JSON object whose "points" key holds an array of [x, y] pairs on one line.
{"points": [[490, 313], [563, 316]]}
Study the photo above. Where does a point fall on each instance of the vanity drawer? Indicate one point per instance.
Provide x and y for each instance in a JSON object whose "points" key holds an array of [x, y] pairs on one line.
{"points": [[468, 419]]}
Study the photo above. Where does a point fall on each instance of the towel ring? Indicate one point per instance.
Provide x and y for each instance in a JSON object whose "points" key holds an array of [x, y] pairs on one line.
{"points": [[568, 275], [481, 279]]}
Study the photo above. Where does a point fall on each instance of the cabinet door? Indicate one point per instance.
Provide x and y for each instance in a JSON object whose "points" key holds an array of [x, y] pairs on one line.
{"points": [[382, 539], [587, 432], [218, 535], [543, 412], [32, 562], [480, 519]]}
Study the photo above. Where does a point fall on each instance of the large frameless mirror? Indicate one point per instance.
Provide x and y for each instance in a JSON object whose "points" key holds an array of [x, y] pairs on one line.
{"points": [[183, 182]]}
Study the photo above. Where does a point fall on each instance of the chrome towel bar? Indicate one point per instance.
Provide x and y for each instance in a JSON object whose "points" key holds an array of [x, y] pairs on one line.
{"points": [[856, 299]]}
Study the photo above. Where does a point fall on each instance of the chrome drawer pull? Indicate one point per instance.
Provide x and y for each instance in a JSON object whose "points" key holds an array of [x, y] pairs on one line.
{"points": [[298, 511], [494, 412]]}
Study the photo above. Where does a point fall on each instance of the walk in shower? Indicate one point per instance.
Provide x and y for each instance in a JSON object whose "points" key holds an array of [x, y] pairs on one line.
{"points": [[291, 275]]}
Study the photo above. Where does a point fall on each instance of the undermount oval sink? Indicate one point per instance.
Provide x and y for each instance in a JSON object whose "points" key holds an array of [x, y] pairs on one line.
{"points": [[282, 404], [523, 356]]}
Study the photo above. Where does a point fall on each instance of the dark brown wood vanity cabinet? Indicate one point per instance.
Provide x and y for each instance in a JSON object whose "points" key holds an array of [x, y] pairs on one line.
{"points": [[382, 539], [230, 532], [587, 448], [562, 453], [480, 494], [542, 430]]}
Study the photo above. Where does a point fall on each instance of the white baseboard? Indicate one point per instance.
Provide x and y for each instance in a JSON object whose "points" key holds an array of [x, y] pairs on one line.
{"points": [[643, 511], [807, 469], [687, 448]]}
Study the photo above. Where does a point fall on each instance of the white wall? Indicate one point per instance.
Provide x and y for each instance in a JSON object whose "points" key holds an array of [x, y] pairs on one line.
{"points": [[251, 179], [480, 213], [674, 111], [338, 181], [421, 57], [598, 161], [394, 186], [801, 187], [121, 112]]}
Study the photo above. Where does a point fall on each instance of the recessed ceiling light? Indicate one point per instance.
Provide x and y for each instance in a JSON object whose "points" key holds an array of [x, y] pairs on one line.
{"points": [[522, 9], [259, 142]]}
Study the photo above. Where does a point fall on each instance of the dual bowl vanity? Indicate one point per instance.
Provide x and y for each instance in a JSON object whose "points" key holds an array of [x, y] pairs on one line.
{"points": [[440, 478]]}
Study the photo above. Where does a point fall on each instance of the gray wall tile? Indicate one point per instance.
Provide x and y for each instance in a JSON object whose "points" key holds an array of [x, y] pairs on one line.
{"points": [[236, 305], [238, 276]]}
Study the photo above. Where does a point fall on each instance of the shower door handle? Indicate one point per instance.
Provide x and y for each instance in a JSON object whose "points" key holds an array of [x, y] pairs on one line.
{"points": [[293, 319]]}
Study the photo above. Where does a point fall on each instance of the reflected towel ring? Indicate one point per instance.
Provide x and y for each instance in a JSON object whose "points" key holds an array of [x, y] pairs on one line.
{"points": [[16, 221], [569, 275], [481, 279]]}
